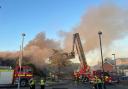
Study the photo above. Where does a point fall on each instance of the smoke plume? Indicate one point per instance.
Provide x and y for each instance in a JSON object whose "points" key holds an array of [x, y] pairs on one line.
{"points": [[9, 55], [108, 18], [40, 49], [37, 51]]}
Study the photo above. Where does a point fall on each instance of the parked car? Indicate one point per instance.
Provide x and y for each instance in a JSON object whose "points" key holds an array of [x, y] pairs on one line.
{"points": [[123, 78]]}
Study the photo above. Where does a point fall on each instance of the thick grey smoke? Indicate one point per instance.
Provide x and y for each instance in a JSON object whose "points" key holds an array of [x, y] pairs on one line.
{"points": [[37, 50], [9, 55], [40, 49], [108, 18]]}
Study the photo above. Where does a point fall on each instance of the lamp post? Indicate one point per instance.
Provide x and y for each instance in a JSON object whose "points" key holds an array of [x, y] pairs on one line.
{"points": [[115, 63], [100, 33], [22, 46], [21, 58]]}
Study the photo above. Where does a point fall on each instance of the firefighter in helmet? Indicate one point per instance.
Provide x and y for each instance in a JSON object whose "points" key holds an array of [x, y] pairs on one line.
{"points": [[99, 82], [42, 83], [95, 79], [32, 83]]}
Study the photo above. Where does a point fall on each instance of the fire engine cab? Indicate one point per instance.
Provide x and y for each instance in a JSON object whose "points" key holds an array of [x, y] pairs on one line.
{"points": [[9, 76]]}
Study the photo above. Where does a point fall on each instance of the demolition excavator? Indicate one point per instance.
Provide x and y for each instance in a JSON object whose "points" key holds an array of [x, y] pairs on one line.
{"points": [[83, 73]]}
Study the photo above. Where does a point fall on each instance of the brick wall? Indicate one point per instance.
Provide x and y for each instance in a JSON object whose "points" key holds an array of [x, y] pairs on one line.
{"points": [[122, 61], [108, 67]]}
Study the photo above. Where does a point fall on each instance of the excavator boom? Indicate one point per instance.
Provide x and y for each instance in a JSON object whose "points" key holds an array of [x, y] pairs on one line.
{"points": [[84, 70], [77, 43]]}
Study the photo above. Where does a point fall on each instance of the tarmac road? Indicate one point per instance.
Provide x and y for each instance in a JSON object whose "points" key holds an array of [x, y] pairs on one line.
{"points": [[72, 85], [62, 86]]}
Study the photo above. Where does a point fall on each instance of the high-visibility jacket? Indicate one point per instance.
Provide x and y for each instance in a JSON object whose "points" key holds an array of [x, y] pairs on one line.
{"points": [[106, 78], [32, 82], [95, 79], [42, 82], [99, 80]]}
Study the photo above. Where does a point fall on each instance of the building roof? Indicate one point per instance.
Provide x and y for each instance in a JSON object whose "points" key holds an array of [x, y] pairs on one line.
{"points": [[108, 63], [122, 61], [123, 58]]}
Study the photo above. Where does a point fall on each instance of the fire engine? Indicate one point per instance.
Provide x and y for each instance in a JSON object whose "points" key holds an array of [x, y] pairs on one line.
{"points": [[9, 76], [84, 73]]}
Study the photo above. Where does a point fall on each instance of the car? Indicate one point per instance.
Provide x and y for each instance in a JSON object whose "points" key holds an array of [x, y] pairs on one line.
{"points": [[123, 78]]}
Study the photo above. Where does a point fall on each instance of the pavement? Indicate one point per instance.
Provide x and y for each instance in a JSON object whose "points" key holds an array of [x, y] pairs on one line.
{"points": [[119, 86], [60, 82], [65, 84]]}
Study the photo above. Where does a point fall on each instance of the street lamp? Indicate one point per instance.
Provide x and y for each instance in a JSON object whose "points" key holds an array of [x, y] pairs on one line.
{"points": [[115, 63], [21, 58], [100, 33], [22, 46]]}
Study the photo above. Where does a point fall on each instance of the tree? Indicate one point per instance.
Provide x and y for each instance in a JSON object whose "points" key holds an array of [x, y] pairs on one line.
{"points": [[58, 60]]}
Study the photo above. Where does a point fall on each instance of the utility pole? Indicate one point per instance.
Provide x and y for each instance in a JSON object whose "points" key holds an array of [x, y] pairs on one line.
{"points": [[21, 58], [115, 63], [22, 46], [100, 33]]}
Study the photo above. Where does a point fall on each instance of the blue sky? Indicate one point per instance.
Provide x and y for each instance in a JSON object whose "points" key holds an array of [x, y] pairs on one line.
{"points": [[34, 16]]}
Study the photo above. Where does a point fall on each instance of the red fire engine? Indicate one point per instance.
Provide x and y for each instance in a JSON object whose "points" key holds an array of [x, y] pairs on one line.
{"points": [[9, 76]]}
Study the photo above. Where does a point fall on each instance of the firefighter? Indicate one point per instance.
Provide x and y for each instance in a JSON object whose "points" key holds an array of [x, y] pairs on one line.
{"points": [[99, 83], [42, 83], [104, 82], [76, 77], [95, 82], [107, 79], [32, 83]]}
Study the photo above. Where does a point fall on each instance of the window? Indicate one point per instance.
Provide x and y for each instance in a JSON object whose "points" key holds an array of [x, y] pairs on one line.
{"points": [[29, 70], [21, 69]]}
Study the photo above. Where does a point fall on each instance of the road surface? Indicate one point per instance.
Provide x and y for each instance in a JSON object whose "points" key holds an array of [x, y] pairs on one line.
{"points": [[72, 85]]}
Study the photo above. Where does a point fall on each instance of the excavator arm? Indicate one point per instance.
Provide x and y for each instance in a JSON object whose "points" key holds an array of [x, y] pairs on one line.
{"points": [[77, 43], [84, 68], [84, 71]]}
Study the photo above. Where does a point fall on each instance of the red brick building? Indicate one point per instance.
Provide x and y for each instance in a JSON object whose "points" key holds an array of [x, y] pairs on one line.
{"points": [[108, 67], [122, 61]]}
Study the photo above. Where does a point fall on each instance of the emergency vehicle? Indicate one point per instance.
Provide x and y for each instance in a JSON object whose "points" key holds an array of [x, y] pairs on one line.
{"points": [[83, 73], [9, 76]]}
